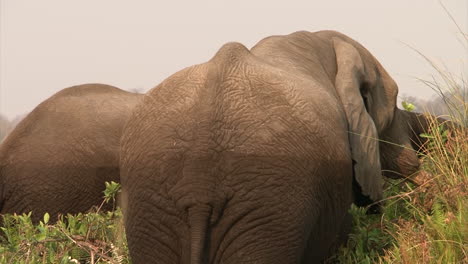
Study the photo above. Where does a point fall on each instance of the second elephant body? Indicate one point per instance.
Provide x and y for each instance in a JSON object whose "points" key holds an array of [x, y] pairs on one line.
{"points": [[57, 159]]}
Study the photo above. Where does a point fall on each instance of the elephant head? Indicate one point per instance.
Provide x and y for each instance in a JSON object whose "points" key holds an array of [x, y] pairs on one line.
{"points": [[384, 140], [369, 94], [381, 135]]}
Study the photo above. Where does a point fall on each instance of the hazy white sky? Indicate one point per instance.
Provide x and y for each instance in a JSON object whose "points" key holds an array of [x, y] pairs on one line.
{"points": [[48, 45]]}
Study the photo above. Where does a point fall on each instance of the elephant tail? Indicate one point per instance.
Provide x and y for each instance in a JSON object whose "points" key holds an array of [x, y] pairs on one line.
{"points": [[198, 218]]}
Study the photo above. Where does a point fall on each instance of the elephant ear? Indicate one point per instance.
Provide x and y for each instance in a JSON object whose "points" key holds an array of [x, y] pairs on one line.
{"points": [[363, 138]]}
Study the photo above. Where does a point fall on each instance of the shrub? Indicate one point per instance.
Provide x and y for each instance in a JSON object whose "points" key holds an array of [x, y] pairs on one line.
{"points": [[95, 237]]}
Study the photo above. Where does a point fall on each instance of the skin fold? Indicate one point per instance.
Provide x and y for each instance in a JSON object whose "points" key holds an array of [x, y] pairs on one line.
{"points": [[57, 159], [251, 156]]}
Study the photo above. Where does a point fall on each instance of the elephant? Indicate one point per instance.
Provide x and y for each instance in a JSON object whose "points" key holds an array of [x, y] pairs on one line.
{"points": [[59, 156], [256, 155]]}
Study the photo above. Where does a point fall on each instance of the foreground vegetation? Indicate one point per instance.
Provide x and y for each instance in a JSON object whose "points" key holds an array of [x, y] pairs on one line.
{"points": [[425, 218], [95, 237]]}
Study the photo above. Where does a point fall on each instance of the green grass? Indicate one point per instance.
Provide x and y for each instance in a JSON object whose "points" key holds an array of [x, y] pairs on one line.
{"points": [[424, 221]]}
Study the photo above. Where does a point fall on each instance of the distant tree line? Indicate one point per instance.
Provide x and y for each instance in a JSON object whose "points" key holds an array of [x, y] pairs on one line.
{"points": [[443, 105], [6, 126]]}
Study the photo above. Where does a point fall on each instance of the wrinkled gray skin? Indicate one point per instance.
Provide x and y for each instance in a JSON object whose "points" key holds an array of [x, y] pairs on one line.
{"points": [[57, 159], [248, 158]]}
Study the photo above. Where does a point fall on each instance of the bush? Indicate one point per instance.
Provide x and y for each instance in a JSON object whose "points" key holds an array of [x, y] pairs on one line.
{"points": [[95, 237]]}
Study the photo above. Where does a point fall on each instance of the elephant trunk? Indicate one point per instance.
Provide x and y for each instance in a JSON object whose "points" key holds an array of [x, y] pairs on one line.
{"points": [[198, 217]]}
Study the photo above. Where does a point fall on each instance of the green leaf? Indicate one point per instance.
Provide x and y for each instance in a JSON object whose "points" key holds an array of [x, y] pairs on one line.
{"points": [[112, 188], [40, 236], [408, 106], [46, 218]]}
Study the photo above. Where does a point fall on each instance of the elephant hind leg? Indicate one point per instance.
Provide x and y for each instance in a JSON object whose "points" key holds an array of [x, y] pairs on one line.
{"points": [[153, 233], [255, 233], [158, 232]]}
